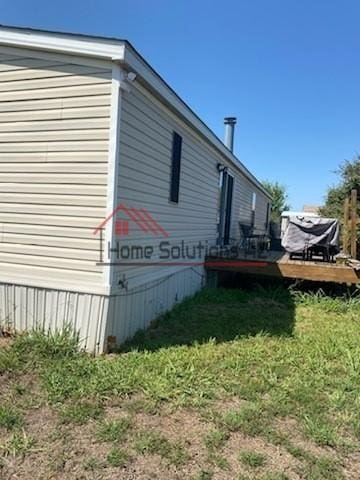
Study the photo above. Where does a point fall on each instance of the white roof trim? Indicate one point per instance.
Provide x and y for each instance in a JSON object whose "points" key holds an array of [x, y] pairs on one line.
{"points": [[62, 42], [120, 51]]}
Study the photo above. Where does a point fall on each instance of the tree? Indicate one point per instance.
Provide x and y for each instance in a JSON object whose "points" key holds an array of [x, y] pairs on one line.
{"points": [[279, 199], [349, 173], [349, 179]]}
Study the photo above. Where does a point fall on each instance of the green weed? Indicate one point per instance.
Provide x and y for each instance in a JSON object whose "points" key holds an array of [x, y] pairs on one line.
{"points": [[219, 460], [92, 464], [39, 344], [250, 419], [114, 430], [252, 459], [19, 444], [215, 439], [10, 418], [117, 457], [9, 360], [80, 412], [274, 476], [320, 430], [322, 468], [154, 443]]}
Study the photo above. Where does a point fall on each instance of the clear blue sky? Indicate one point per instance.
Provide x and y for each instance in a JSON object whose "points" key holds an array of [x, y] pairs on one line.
{"points": [[288, 69]]}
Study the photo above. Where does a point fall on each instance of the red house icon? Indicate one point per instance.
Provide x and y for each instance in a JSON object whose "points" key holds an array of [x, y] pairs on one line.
{"points": [[139, 216]]}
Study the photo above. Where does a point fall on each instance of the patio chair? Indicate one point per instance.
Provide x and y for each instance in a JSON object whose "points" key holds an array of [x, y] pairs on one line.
{"points": [[246, 236], [323, 249], [251, 241]]}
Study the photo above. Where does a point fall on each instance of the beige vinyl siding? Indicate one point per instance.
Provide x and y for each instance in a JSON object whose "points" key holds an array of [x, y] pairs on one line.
{"points": [[242, 206], [54, 135], [146, 132]]}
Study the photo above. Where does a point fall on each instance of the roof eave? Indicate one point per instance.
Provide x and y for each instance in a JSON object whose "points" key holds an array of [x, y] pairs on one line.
{"points": [[106, 49]]}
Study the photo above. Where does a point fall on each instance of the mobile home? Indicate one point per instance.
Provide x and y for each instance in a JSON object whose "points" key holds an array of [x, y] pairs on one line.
{"points": [[112, 190]]}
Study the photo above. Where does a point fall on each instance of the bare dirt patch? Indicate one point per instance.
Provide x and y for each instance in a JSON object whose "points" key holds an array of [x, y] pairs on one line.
{"points": [[352, 466], [4, 341], [64, 452]]}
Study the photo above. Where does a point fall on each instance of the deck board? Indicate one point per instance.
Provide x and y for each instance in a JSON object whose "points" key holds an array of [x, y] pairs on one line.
{"points": [[278, 264]]}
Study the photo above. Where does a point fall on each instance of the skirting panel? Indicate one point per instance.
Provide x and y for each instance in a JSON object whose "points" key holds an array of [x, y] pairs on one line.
{"points": [[96, 318], [135, 309], [25, 308]]}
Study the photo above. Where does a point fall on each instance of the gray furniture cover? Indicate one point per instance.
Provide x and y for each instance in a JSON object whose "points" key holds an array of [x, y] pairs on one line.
{"points": [[304, 232]]}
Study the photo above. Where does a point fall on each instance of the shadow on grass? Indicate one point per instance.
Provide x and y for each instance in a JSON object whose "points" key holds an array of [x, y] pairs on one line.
{"points": [[221, 315]]}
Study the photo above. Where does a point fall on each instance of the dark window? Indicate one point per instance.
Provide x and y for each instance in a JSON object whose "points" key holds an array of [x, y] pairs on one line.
{"points": [[252, 219], [229, 197], [175, 168], [267, 216]]}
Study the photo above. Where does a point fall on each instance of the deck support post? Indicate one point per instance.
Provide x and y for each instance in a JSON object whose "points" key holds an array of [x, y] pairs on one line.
{"points": [[345, 242], [212, 279], [353, 229]]}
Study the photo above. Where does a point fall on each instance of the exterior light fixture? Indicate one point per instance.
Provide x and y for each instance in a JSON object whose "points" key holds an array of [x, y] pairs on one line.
{"points": [[221, 167]]}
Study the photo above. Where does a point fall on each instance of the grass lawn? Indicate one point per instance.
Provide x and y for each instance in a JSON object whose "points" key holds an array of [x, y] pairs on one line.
{"points": [[232, 384]]}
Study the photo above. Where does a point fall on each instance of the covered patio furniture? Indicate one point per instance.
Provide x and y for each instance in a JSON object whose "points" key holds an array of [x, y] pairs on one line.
{"points": [[311, 237]]}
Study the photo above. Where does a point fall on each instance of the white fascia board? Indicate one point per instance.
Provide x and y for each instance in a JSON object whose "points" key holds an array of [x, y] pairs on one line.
{"points": [[57, 42]]}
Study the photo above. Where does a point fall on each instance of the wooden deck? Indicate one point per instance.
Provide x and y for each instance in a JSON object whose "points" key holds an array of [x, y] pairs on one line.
{"points": [[278, 264]]}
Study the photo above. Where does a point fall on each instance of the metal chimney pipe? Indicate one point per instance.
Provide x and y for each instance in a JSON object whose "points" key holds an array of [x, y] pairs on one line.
{"points": [[229, 132]]}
